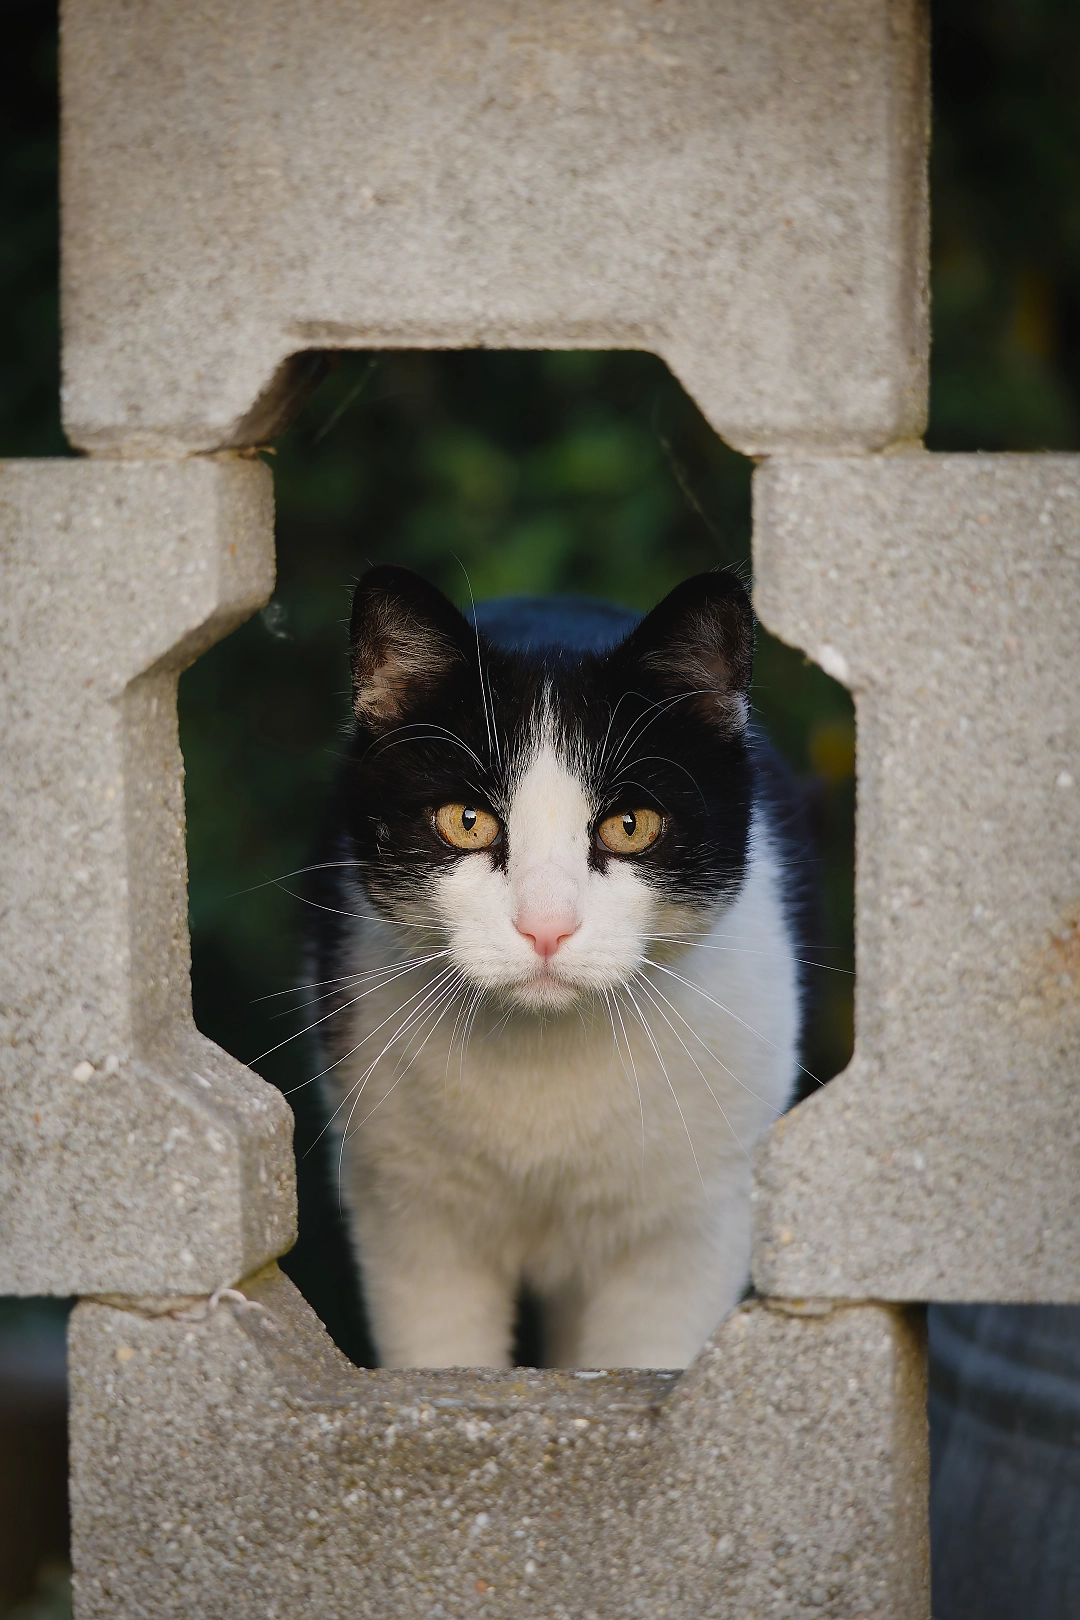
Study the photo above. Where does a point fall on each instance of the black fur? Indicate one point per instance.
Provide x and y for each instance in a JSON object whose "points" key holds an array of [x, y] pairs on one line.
{"points": [[638, 719], [651, 706]]}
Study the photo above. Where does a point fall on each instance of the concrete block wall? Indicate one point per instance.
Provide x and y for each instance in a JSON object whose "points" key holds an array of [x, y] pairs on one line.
{"points": [[943, 590], [232, 1462], [740, 189], [135, 1156]]}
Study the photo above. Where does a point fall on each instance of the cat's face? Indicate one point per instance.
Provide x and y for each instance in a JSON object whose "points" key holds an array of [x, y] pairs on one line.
{"points": [[558, 819]]}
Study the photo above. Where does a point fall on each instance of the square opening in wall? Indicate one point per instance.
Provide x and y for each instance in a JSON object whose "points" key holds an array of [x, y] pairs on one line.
{"points": [[380, 849]]}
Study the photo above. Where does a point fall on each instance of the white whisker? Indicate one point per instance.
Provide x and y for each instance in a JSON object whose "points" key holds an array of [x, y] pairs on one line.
{"points": [[348, 981], [394, 739], [335, 1011], [653, 712], [431, 990], [300, 871], [346, 1055], [660, 968], [648, 989], [667, 1077], [489, 714], [633, 1067], [442, 1007], [296, 989], [698, 942], [729, 1072]]}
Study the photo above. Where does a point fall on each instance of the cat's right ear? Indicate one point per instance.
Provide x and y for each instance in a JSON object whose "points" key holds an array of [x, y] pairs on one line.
{"points": [[406, 640]]}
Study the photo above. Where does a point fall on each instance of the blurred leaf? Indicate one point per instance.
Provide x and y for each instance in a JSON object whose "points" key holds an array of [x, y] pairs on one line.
{"points": [[832, 749], [51, 1600]]}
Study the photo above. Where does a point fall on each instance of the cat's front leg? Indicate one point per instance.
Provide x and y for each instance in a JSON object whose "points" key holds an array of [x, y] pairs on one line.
{"points": [[432, 1301], [658, 1303]]}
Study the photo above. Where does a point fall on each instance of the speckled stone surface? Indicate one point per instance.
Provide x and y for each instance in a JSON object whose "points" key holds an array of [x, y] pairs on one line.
{"points": [[135, 1156], [945, 592], [737, 187], [235, 1464]]}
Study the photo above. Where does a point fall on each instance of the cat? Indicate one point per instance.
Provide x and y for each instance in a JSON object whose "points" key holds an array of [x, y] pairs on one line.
{"points": [[558, 955]]}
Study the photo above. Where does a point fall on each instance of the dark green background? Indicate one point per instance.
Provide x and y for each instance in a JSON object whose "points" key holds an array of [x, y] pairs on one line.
{"points": [[515, 472], [562, 472]]}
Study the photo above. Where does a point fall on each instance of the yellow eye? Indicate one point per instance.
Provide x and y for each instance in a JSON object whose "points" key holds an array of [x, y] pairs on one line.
{"points": [[465, 827], [630, 832]]}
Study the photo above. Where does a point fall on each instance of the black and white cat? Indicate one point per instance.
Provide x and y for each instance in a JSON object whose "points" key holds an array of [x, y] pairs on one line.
{"points": [[560, 992]]}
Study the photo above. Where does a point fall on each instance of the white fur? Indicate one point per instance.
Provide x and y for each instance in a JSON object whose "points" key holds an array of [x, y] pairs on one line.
{"points": [[533, 1132]]}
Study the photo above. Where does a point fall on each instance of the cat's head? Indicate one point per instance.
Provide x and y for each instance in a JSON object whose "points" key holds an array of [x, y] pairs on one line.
{"points": [[556, 816]]}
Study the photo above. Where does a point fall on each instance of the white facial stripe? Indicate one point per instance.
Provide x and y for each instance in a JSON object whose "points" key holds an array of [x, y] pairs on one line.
{"points": [[549, 926], [548, 839]]}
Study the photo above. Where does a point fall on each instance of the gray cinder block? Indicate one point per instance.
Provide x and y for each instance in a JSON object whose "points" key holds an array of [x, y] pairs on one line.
{"points": [[943, 590], [135, 1156], [737, 187], [232, 1462]]}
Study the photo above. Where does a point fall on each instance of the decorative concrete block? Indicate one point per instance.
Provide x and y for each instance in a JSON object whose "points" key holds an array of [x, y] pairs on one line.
{"points": [[737, 187], [944, 591], [135, 1156], [232, 1462]]}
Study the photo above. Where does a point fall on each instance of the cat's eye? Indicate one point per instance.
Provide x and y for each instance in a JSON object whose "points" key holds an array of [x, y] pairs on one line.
{"points": [[630, 831], [465, 827]]}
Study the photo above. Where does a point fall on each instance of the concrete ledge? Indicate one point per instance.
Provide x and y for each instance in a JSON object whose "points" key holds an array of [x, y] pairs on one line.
{"points": [[943, 591], [135, 1157], [232, 1462], [739, 188]]}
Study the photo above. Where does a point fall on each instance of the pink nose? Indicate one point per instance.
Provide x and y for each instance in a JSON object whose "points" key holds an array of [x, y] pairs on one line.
{"points": [[546, 933]]}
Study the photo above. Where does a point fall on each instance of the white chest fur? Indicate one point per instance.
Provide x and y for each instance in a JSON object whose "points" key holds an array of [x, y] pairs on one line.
{"points": [[600, 1152]]}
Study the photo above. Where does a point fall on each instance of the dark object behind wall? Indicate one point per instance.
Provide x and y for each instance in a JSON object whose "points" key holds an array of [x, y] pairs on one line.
{"points": [[33, 1450], [1005, 1448]]}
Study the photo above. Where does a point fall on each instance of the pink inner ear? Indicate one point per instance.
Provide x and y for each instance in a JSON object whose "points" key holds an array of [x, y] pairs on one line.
{"points": [[703, 675], [395, 672]]}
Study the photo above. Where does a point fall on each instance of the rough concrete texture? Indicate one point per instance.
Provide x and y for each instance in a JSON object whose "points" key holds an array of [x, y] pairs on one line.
{"points": [[944, 591], [135, 1156], [737, 187], [234, 1463]]}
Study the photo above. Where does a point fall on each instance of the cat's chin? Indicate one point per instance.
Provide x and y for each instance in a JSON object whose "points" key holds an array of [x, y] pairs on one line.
{"points": [[542, 992]]}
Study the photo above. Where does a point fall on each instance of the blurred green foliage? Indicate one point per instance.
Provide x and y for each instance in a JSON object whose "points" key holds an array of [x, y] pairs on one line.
{"points": [[1005, 213], [499, 472], [528, 472], [51, 1598]]}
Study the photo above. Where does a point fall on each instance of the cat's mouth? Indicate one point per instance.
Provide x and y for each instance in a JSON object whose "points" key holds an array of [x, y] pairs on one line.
{"points": [[545, 989]]}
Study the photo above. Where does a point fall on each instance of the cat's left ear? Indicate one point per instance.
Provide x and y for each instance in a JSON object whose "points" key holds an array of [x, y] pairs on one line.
{"points": [[697, 646], [407, 639]]}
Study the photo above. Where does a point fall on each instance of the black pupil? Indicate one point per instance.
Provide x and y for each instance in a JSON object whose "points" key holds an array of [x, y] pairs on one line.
{"points": [[468, 819], [629, 824]]}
